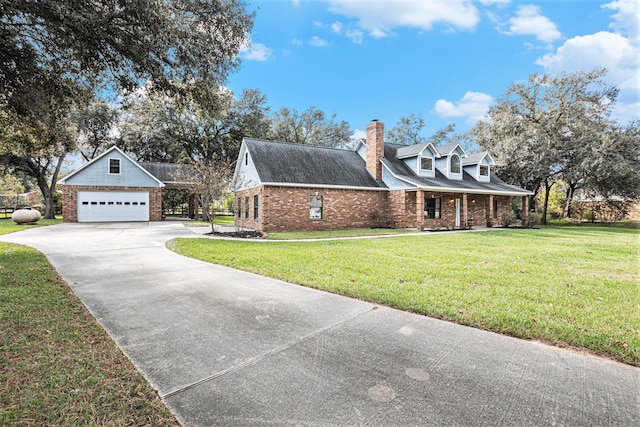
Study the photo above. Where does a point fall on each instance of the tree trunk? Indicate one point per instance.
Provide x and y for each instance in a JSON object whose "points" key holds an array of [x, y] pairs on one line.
{"points": [[547, 190], [49, 190], [569, 199], [47, 194]]}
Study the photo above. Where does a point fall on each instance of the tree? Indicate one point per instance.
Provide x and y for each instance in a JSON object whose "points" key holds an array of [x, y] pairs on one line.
{"points": [[547, 129], [10, 189], [213, 183], [407, 131], [96, 124], [161, 127], [178, 44], [37, 145], [311, 127]]}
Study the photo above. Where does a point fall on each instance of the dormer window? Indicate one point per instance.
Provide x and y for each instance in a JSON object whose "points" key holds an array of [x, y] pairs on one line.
{"points": [[484, 170], [426, 163], [455, 163]]}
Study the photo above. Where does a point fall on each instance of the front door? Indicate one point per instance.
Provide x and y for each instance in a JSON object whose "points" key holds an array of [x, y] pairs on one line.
{"points": [[457, 212]]}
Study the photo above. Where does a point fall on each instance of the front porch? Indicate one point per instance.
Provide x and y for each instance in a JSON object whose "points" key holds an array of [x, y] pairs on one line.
{"points": [[425, 210]]}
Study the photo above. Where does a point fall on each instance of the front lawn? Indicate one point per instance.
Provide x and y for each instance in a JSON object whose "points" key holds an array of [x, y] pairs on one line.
{"points": [[569, 286], [8, 226], [57, 365]]}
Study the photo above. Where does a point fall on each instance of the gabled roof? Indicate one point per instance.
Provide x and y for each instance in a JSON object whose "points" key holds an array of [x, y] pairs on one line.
{"points": [[475, 158], [440, 182], [415, 149], [106, 153], [445, 150], [284, 163]]}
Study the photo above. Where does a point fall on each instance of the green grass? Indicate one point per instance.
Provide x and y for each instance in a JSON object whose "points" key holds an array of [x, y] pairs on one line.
{"points": [[57, 365], [568, 286], [326, 234], [217, 220], [8, 226]]}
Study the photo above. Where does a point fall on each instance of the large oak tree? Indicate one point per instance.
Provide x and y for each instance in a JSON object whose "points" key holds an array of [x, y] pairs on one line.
{"points": [[554, 127]]}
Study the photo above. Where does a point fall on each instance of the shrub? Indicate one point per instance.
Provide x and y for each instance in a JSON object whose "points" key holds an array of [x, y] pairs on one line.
{"points": [[507, 219]]}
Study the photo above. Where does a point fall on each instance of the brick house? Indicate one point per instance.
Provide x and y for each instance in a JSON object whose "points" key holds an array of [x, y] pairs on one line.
{"points": [[280, 186]]}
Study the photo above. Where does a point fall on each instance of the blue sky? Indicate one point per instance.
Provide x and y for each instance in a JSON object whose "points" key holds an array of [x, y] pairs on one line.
{"points": [[447, 60]]}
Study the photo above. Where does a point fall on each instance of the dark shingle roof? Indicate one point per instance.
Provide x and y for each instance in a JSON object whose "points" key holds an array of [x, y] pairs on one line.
{"points": [[440, 181], [167, 172], [278, 162]]}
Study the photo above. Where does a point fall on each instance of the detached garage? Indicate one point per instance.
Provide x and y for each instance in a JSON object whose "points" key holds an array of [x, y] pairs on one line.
{"points": [[111, 187]]}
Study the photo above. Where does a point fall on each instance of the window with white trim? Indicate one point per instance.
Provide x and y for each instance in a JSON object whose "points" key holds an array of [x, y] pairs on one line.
{"points": [[484, 170], [455, 163], [315, 207], [426, 164], [114, 166]]}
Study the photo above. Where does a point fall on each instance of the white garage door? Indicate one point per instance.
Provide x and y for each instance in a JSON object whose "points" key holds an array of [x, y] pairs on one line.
{"points": [[107, 206]]}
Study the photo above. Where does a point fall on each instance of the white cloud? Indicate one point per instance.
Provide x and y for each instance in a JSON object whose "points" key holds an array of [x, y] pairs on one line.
{"points": [[603, 49], [257, 52], [473, 105], [355, 36], [297, 42], [627, 18], [496, 2], [379, 18], [337, 27], [618, 52], [358, 135], [529, 21], [318, 42]]}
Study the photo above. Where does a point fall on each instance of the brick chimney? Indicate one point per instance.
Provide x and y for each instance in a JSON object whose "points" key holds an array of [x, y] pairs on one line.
{"points": [[375, 148]]}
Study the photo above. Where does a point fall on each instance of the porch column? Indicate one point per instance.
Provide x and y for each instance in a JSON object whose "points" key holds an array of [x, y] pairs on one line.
{"points": [[420, 210], [525, 210], [490, 216], [465, 211]]}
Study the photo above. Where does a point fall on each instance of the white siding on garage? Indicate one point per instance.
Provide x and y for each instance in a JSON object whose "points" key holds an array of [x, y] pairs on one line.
{"points": [[97, 173], [107, 206]]}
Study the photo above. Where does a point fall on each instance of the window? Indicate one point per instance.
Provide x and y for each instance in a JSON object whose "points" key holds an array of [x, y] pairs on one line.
{"points": [[246, 158], [114, 166], [432, 208], [255, 207], [239, 206], [246, 207], [426, 163], [495, 208], [315, 211], [455, 163], [484, 170]]}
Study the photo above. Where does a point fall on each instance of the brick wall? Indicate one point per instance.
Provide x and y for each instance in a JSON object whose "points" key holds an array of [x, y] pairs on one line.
{"points": [[70, 199], [375, 148], [288, 208], [403, 209]]}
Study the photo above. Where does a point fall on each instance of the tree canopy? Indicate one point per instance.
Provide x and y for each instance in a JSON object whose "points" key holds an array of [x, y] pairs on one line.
{"points": [[311, 127], [165, 128], [555, 127], [194, 43]]}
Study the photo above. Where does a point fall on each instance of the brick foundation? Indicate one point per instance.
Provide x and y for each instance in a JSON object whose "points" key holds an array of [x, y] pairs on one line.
{"points": [[70, 199]]}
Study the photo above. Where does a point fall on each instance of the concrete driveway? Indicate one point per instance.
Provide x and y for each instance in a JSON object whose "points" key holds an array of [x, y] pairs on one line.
{"points": [[225, 347]]}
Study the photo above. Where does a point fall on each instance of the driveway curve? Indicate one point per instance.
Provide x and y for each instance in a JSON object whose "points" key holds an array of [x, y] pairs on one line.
{"points": [[226, 347]]}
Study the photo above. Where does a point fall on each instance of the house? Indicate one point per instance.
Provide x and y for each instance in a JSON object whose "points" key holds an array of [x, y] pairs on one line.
{"points": [[113, 187], [280, 186]]}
